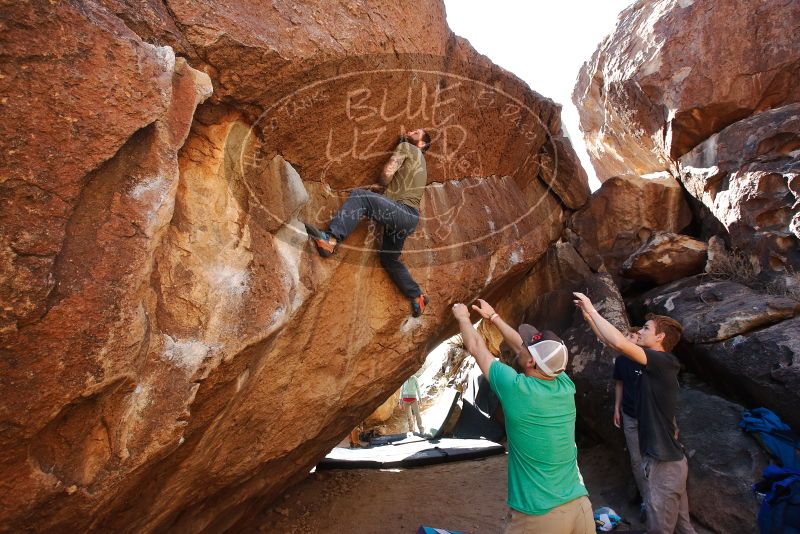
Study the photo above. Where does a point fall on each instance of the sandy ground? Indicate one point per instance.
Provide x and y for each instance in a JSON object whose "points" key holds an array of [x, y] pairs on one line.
{"points": [[466, 496]]}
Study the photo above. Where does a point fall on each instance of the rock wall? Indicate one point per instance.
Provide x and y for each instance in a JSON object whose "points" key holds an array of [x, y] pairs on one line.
{"points": [[174, 353], [623, 215], [675, 72], [706, 91], [746, 175], [689, 112]]}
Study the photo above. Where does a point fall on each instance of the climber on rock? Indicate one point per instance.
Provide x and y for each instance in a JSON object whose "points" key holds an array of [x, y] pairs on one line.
{"points": [[405, 176]]}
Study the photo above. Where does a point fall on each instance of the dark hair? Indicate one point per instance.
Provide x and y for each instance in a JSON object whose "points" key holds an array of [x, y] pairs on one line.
{"points": [[426, 137], [633, 329], [668, 326]]}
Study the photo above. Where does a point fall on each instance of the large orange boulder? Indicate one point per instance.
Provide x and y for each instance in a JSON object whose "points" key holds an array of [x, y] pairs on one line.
{"points": [[672, 91], [174, 352], [624, 214], [62, 120], [315, 79], [88, 197], [667, 78]]}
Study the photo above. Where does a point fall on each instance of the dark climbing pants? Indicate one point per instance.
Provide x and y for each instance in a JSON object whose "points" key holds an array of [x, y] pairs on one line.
{"points": [[399, 221]]}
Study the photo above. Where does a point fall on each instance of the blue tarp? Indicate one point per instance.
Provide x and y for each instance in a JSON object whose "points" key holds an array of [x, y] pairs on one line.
{"points": [[776, 436], [779, 512]]}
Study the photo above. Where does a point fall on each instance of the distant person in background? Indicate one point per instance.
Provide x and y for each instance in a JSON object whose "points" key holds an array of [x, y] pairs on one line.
{"points": [[409, 399], [627, 374], [546, 493], [663, 459], [355, 436]]}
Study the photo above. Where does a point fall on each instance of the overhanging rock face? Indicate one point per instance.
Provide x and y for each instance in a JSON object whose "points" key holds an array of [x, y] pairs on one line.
{"points": [[174, 354]]}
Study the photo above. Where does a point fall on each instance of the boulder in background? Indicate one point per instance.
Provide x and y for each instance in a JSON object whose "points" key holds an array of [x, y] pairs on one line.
{"points": [[761, 368], [624, 213], [665, 257], [724, 462], [712, 310]]}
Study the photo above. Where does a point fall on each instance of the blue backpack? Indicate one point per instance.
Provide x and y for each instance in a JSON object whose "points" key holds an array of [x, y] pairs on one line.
{"points": [[780, 510]]}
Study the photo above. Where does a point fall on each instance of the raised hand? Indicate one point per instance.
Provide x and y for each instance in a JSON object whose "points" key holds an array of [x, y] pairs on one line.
{"points": [[484, 309], [460, 311], [583, 303]]}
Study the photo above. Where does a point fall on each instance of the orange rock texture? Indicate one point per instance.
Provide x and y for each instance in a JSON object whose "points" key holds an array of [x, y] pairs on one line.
{"points": [[672, 92], [623, 214], [655, 88], [174, 353]]}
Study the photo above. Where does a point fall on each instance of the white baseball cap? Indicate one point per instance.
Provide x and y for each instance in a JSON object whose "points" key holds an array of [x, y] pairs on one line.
{"points": [[546, 348]]}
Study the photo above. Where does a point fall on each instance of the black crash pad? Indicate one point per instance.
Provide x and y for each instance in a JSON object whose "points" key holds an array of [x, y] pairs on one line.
{"points": [[412, 452]]}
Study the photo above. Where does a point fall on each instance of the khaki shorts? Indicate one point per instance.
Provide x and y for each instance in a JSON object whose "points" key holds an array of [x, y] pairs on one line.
{"points": [[574, 517]]}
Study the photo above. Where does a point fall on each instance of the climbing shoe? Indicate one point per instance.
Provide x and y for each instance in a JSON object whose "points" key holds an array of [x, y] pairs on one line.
{"points": [[325, 242], [418, 305]]}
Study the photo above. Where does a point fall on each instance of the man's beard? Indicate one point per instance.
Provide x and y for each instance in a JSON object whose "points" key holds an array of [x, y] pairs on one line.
{"points": [[403, 139]]}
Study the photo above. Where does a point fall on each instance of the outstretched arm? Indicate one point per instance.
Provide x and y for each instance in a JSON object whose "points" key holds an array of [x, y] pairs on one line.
{"points": [[608, 331], [391, 167], [473, 341], [510, 336], [588, 319]]}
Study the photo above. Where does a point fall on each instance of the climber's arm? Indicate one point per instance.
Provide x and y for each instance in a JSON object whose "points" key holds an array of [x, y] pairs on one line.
{"points": [[391, 167], [473, 342]]}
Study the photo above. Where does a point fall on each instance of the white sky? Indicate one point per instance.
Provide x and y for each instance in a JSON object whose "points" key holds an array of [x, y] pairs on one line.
{"points": [[544, 42]]}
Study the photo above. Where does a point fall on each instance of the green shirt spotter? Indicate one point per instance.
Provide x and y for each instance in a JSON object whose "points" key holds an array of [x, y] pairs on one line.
{"points": [[540, 425]]}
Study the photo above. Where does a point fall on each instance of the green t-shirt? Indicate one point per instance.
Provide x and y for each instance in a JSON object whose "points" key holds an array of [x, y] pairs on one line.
{"points": [[408, 183], [410, 388], [540, 424]]}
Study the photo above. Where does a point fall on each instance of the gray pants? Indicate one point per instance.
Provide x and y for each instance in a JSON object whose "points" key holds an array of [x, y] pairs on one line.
{"points": [[630, 425], [667, 503], [399, 221], [413, 408]]}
